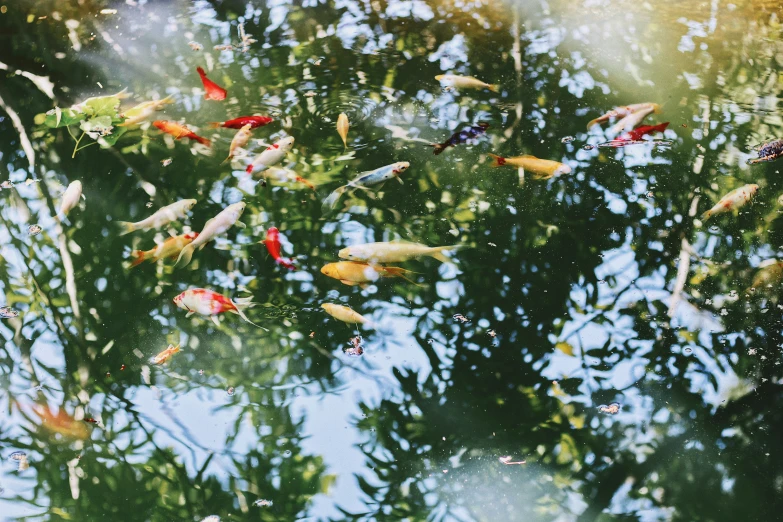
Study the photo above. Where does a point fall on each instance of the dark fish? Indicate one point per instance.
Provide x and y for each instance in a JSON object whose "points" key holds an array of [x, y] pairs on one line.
{"points": [[461, 137], [768, 152]]}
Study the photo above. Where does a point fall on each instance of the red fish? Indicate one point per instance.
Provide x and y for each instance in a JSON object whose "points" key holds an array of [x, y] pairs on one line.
{"points": [[179, 131], [214, 91], [238, 123], [637, 133], [272, 243]]}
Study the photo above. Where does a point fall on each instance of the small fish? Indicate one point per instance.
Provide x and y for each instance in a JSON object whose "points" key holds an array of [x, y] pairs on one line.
{"points": [[611, 409], [352, 273], [195, 46], [619, 112], [355, 349], [238, 123], [461, 137], [227, 218], [465, 82], [161, 218], [394, 252], [273, 155], [272, 243], [632, 120], [342, 128], [508, 462], [6, 312], [180, 131], [769, 275], [539, 168], [768, 152], [71, 198], [345, 314], [169, 249], [165, 355], [240, 139], [144, 110], [208, 303], [213, 90], [367, 179], [733, 200], [262, 503], [34, 230]]}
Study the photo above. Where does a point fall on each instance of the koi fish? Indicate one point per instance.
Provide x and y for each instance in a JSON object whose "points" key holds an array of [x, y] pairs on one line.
{"points": [[227, 218], [273, 155], [342, 127], [465, 82], [768, 152], [168, 249], [345, 314], [210, 304], [394, 252], [71, 198], [180, 131], [61, 423], [539, 168], [638, 133], [165, 355], [461, 137], [367, 179], [142, 111], [353, 273], [238, 123], [733, 200], [240, 139], [161, 218], [770, 274], [619, 112], [213, 90], [632, 120], [272, 243]]}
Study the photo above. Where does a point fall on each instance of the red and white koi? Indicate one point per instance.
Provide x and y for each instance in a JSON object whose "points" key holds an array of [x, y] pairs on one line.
{"points": [[632, 120], [733, 200], [620, 112], [272, 243], [213, 90], [273, 155], [216, 226], [211, 304]]}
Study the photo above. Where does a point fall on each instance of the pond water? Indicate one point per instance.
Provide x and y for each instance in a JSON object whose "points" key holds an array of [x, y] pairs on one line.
{"points": [[594, 350]]}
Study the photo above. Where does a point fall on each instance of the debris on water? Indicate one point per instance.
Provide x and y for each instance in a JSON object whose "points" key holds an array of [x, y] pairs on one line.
{"points": [[224, 48], [567, 139], [508, 462], [201, 372], [122, 367], [461, 318], [30, 181], [21, 458], [196, 46], [230, 391], [312, 334], [492, 333], [611, 409], [492, 244], [166, 162], [751, 351], [90, 420], [149, 204], [6, 184], [356, 349], [8, 313], [245, 38], [34, 230], [588, 147], [309, 94], [262, 502], [108, 11]]}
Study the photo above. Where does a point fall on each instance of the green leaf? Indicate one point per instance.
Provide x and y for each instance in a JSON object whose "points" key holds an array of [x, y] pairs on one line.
{"points": [[97, 127], [565, 348], [103, 106], [57, 117], [110, 139]]}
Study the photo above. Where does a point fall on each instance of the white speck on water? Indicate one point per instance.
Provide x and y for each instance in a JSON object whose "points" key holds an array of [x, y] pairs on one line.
{"points": [[611, 408], [262, 502]]}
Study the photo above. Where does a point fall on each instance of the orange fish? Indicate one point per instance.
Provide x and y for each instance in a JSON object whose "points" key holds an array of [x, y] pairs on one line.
{"points": [[180, 131], [272, 243], [61, 423], [169, 248], [165, 355], [214, 91]]}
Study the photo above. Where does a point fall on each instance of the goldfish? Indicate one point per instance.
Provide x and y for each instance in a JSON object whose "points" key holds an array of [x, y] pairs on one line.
{"points": [[208, 303], [272, 243], [238, 123], [168, 249], [638, 133], [144, 110], [769, 274], [214, 227], [632, 120], [353, 273], [539, 168], [345, 314], [180, 131], [213, 90], [394, 252], [240, 139], [461, 137], [61, 423], [465, 82], [367, 179], [619, 112], [273, 155], [71, 198], [342, 127], [165, 355], [161, 218], [733, 200]]}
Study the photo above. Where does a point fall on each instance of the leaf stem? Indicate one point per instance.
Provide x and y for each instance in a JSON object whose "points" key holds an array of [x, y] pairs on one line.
{"points": [[76, 147]]}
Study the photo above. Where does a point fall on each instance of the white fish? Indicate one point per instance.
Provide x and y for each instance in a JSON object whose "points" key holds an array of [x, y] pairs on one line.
{"points": [[734, 199], [394, 252], [465, 82], [632, 120], [367, 179], [161, 218], [227, 218], [240, 139], [71, 198], [273, 155]]}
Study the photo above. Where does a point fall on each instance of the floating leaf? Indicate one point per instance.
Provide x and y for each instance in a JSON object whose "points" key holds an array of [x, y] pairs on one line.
{"points": [[57, 117], [97, 127], [565, 348], [110, 139]]}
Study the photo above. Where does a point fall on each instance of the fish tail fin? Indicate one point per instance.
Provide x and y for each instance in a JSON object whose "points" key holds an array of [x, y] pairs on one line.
{"points": [[437, 253], [214, 124], [225, 160], [331, 201], [707, 215], [245, 302], [185, 256], [126, 228], [203, 141], [497, 161], [138, 257], [402, 273], [437, 148], [288, 263], [494, 87]]}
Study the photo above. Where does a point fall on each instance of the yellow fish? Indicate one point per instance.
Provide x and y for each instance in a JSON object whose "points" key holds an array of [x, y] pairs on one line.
{"points": [[345, 314], [144, 110], [465, 82], [168, 249], [342, 128], [394, 252], [539, 168], [352, 274], [165, 355], [240, 139]]}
